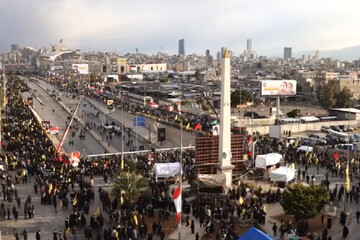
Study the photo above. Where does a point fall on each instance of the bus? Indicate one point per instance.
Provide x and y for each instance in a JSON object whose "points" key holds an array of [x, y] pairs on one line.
{"points": [[309, 119], [328, 118], [282, 121]]}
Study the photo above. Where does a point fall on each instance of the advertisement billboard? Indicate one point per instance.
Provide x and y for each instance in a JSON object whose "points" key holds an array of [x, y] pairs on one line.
{"points": [[81, 68], [278, 87], [121, 61]]}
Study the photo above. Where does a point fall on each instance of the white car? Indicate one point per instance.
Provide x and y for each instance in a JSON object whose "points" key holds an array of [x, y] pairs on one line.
{"points": [[325, 129], [108, 126]]}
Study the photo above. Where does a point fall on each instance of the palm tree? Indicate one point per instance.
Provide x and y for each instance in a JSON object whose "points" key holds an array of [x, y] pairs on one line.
{"points": [[130, 185]]}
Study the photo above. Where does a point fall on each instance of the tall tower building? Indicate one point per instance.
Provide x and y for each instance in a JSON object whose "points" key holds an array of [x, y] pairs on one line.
{"points": [[181, 47], [222, 52], [317, 55], [207, 53], [287, 53], [249, 45], [225, 166]]}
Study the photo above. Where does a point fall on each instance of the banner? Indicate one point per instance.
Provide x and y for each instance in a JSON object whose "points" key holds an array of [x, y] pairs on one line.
{"points": [[278, 87], [80, 68]]}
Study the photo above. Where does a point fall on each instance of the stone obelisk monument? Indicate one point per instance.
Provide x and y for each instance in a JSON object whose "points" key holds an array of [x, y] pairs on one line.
{"points": [[225, 166]]}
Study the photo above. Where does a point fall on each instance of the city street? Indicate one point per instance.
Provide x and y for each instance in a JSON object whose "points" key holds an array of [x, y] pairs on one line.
{"points": [[45, 219]]}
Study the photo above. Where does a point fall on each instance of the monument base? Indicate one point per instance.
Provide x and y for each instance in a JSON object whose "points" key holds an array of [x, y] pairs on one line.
{"points": [[227, 171]]}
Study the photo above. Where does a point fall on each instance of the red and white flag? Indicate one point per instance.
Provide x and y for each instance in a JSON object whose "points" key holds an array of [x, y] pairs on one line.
{"points": [[177, 202]]}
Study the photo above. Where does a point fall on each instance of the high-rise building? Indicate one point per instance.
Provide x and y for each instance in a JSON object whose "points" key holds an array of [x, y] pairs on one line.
{"points": [[317, 55], [14, 47], [209, 58], [222, 52], [207, 53], [249, 53], [287, 53], [218, 56], [181, 47], [249, 45]]}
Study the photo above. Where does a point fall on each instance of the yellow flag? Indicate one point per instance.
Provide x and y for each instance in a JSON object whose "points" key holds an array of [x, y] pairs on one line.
{"points": [[188, 126], [347, 183], [122, 162], [316, 160], [68, 230], [121, 200], [62, 169], [75, 201], [292, 166], [177, 117], [6, 159], [50, 188], [97, 212], [296, 144], [241, 200], [136, 220]]}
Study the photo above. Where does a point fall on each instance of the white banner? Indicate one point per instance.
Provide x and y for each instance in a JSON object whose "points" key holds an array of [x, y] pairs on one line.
{"points": [[278, 87]]}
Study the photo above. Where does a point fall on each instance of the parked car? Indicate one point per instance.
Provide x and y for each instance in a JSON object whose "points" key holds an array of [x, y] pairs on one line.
{"points": [[314, 136], [320, 141], [325, 129], [336, 128], [350, 128], [343, 128], [256, 115]]}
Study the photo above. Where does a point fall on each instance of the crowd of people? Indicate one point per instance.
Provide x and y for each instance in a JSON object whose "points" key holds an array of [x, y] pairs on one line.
{"points": [[30, 157]]}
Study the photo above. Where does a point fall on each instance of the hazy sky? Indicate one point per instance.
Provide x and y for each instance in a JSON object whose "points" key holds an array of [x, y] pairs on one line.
{"points": [[123, 25]]}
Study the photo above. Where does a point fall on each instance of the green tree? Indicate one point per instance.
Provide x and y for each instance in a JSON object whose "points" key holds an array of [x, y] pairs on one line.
{"points": [[129, 185], [327, 95], [197, 74], [304, 201], [240, 97], [343, 98], [165, 79]]}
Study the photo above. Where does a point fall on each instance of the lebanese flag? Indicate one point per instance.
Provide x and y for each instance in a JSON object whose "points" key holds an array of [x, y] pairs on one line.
{"points": [[177, 202]]}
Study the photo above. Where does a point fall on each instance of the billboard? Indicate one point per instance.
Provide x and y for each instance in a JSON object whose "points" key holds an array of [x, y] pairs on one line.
{"points": [[161, 134], [81, 68], [121, 61], [278, 87]]}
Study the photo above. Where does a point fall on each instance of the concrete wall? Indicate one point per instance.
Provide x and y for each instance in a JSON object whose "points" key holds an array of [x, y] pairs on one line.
{"points": [[303, 127]]}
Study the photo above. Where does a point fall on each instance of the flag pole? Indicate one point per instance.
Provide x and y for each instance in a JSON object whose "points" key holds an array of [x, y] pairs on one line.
{"points": [[347, 170], [181, 167]]}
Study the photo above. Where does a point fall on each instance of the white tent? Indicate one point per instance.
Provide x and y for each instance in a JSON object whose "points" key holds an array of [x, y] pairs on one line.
{"points": [[305, 148], [165, 170], [262, 161], [282, 174]]}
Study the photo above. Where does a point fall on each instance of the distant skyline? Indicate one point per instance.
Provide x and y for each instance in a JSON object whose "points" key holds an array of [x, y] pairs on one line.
{"points": [[152, 26]]}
